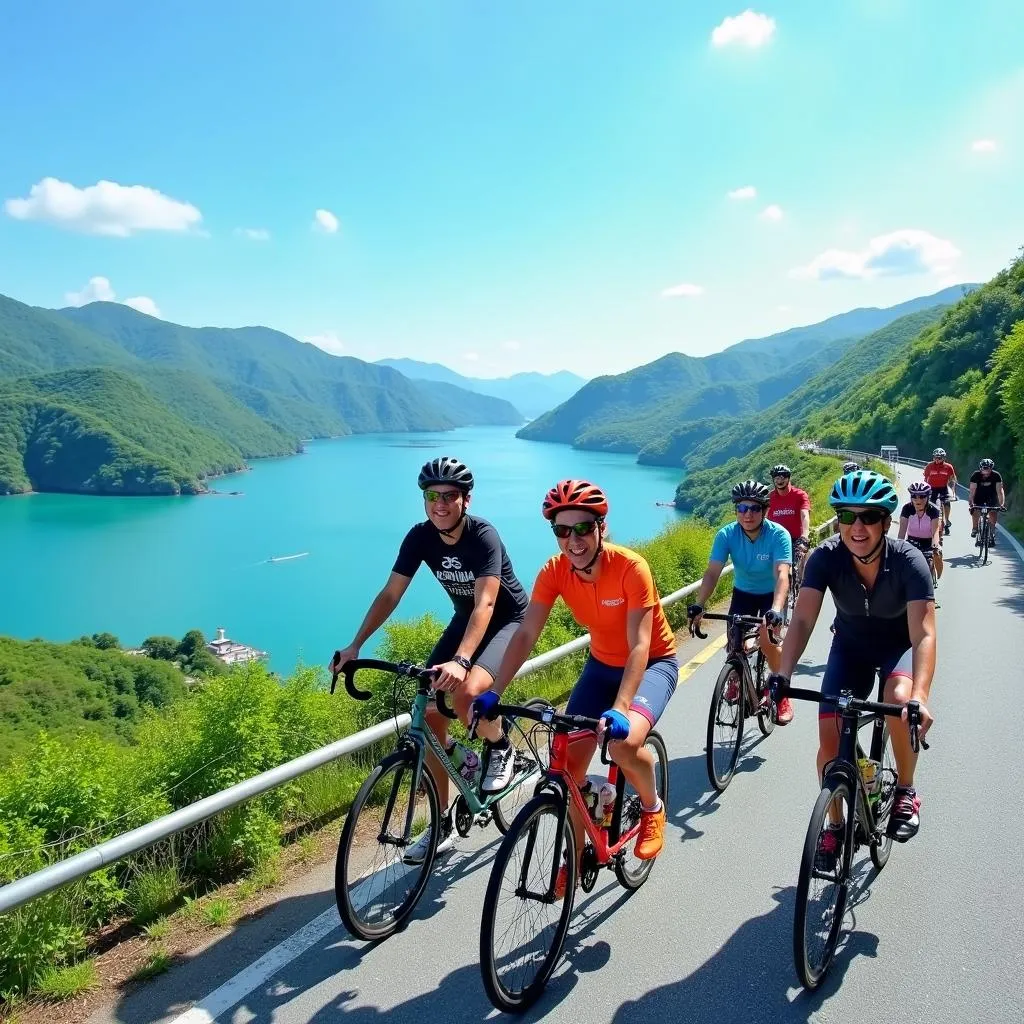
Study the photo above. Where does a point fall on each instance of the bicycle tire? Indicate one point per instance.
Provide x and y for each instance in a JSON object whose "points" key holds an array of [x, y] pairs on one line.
{"points": [[501, 995], [765, 718], [404, 760], [628, 878], [812, 974], [881, 849], [504, 811], [721, 782], [984, 541]]}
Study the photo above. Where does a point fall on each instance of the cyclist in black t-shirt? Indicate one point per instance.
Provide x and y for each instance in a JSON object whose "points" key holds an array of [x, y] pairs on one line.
{"points": [[986, 489], [469, 560], [885, 618]]}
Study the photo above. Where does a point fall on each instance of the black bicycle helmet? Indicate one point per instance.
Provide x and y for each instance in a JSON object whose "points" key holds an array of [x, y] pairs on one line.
{"points": [[446, 469], [986, 464], [751, 490], [850, 467]]}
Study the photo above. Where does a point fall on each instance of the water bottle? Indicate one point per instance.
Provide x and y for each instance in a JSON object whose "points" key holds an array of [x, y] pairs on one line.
{"points": [[591, 799], [465, 760], [606, 803], [871, 776]]}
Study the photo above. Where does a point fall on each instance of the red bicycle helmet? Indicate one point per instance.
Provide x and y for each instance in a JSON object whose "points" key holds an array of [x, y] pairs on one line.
{"points": [[578, 494]]}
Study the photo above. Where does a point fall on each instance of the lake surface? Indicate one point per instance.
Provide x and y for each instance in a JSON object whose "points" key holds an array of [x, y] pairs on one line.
{"points": [[144, 566]]}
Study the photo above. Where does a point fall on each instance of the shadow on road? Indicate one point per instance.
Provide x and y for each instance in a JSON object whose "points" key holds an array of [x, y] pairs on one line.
{"points": [[751, 978]]}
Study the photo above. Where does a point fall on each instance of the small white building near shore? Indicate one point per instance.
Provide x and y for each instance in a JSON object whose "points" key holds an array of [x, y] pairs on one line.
{"points": [[231, 652]]}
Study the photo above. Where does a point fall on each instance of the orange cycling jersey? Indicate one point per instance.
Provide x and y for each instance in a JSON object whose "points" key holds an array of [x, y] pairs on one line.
{"points": [[938, 474], [625, 584]]}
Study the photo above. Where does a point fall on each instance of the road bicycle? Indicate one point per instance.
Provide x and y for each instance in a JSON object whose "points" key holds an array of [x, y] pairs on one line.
{"points": [[525, 915], [863, 788], [741, 690], [985, 530], [796, 579], [375, 888]]}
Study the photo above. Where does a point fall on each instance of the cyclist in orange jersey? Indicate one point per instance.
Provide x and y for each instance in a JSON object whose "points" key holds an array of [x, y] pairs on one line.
{"points": [[632, 670]]}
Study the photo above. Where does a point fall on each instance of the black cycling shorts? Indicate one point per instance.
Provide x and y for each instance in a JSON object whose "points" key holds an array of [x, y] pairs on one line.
{"points": [[847, 669], [922, 545], [940, 495], [488, 655], [743, 603]]}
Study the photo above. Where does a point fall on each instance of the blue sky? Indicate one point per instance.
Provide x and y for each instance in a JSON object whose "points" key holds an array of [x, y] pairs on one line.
{"points": [[509, 186]]}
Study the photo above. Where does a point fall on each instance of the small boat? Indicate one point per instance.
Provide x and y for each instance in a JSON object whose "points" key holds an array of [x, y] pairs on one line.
{"points": [[287, 558]]}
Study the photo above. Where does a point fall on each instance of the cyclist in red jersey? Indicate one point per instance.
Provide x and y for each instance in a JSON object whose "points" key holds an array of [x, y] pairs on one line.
{"points": [[939, 474], [790, 507]]}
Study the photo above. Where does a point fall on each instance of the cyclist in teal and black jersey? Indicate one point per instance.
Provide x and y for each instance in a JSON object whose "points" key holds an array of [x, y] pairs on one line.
{"points": [[761, 553]]}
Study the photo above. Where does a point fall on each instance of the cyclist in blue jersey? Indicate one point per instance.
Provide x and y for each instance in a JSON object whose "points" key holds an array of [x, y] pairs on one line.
{"points": [[762, 555]]}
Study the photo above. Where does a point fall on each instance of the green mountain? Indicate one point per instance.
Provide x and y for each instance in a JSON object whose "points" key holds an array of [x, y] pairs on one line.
{"points": [[709, 443], [641, 408], [99, 431], [531, 393], [960, 384]]}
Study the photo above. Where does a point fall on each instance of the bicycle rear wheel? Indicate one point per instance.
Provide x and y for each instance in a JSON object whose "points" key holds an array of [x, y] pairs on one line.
{"points": [[374, 888], [521, 931], [529, 761], [629, 869], [820, 907], [725, 725]]}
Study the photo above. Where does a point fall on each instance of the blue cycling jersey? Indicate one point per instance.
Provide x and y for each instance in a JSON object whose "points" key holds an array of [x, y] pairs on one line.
{"points": [[755, 560]]}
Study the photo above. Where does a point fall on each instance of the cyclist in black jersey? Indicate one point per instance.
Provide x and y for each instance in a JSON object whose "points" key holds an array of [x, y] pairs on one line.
{"points": [[885, 618], [467, 557], [986, 489]]}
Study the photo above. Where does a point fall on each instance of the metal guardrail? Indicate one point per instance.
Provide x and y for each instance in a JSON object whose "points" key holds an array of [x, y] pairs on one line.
{"points": [[21, 891]]}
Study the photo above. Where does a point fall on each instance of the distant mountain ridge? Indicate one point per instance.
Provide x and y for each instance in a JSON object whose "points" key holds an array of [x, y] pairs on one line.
{"points": [[531, 393], [103, 399], [636, 411]]}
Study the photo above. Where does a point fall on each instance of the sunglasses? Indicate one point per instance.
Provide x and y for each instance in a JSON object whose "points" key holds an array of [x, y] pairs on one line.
{"points": [[446, 496], [742, 508], [562, 531], [868, 516]]}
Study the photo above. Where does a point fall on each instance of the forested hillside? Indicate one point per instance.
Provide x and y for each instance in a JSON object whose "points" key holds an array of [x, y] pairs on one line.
{"points": [[959, 385], [639, 411], [790, 414]]}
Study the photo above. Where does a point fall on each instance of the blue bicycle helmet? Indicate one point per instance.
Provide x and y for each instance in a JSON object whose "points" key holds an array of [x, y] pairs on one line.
{"points": [[864, 489]]}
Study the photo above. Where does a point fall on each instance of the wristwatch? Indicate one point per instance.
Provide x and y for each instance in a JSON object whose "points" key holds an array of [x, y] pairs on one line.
{"points": [[463, 662]]}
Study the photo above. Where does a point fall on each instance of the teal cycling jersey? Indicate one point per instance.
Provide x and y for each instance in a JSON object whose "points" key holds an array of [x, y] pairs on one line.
{"points": [[754, 560]]}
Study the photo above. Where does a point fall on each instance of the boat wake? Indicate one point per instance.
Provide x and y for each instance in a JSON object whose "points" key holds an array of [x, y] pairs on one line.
{"points": [[287, 558]]}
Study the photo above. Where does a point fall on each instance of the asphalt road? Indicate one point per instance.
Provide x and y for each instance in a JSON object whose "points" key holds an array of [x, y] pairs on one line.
{"points": [[937, 936]]}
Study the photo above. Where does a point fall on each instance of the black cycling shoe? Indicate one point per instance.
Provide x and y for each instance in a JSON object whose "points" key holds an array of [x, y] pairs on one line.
{"points": [[905, 817]]}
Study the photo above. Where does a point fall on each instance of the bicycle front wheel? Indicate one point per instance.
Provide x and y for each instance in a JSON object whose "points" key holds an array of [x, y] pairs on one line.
{"points": [[765, 718], [822, 889], [725, 725], [522, 930], [629, 869], [531, 760], [984, 542], [376, 890], [882, 847]]}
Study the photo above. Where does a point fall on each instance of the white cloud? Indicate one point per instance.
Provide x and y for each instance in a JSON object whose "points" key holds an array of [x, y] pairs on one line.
{"points": [[254, 234], [99, 289], [144, 304], [683, 291], [785, 309], [471, 357], [773, 212], [746, 192], [984, 146], [747, 29], [907, 251], [325, 221], [328, 341], [105, 208], [511, 346]]}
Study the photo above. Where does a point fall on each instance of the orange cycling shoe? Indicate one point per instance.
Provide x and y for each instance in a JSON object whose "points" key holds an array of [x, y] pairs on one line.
{"points": [[652, 834]]}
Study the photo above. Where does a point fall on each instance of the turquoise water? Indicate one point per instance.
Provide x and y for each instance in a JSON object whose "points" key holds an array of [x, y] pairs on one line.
{"points": [[141, 566]]}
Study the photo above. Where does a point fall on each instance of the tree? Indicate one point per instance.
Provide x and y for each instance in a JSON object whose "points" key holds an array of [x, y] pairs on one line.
{"points": [[161, 648], [191, 644], [106, 641]]}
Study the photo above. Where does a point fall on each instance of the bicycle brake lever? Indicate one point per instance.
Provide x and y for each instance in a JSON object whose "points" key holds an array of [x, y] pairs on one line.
{"points": [[605, 759]]}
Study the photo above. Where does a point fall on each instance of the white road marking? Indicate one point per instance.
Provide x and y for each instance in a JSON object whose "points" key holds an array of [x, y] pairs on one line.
{"points": [[237, 988]]}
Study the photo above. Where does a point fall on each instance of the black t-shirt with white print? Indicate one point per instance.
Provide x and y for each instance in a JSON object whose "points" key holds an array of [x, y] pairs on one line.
{"points": [[478, 552], [985, 493]]}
